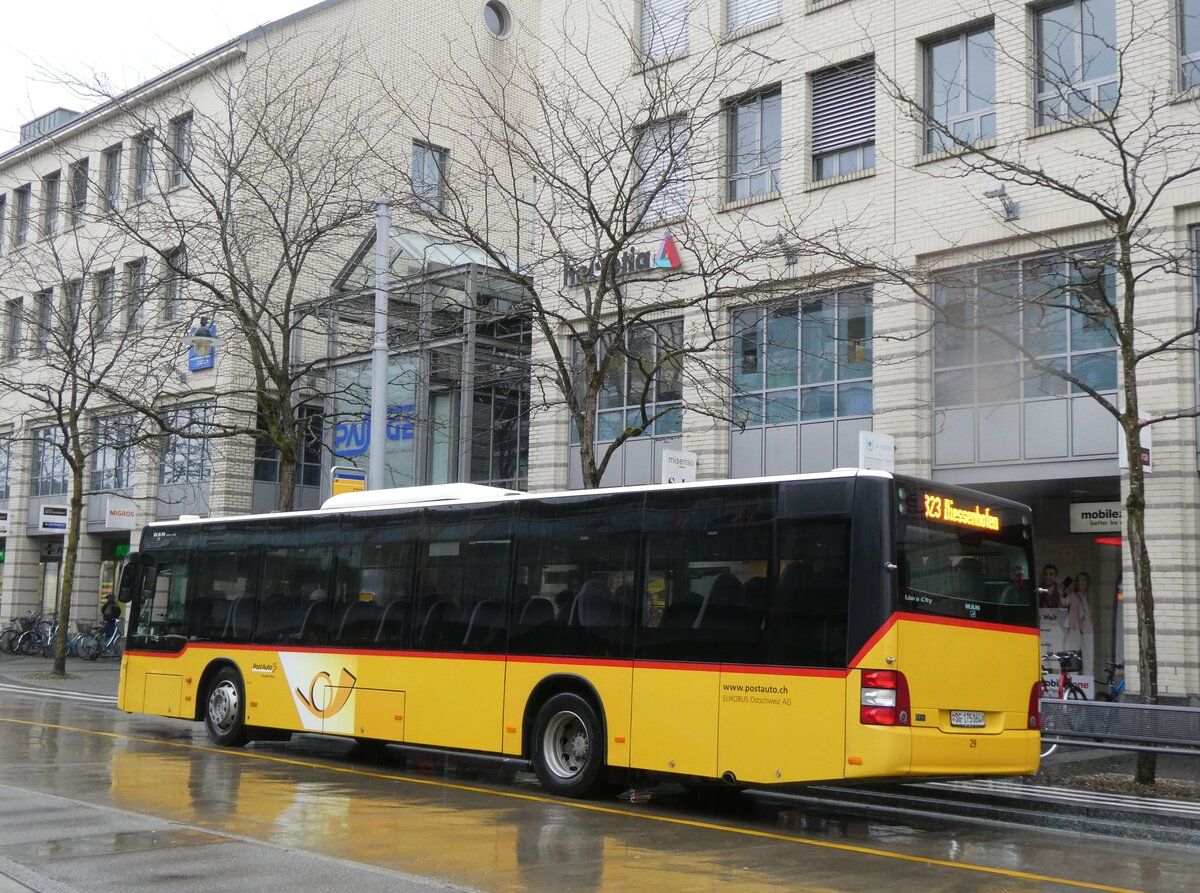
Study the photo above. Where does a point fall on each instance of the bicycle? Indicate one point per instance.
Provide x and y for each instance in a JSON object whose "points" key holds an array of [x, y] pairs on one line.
{"points": [[1113, 687], [10, 640], [1066, 689], [95, 643]]}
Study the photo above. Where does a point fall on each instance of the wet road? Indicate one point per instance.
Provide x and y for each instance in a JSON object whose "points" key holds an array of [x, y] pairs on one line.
{"points": [[93, 799]]}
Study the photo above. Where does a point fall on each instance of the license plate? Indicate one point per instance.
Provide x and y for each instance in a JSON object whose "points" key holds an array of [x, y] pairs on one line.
{"points": [[967, 719]]}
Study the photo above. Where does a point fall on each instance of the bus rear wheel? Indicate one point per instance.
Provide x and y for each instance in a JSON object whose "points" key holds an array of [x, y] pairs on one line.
{"points": [[568, 747], [225, 710]]}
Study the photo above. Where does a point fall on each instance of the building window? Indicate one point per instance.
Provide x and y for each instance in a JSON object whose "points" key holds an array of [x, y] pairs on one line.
{"points": [[73, 306], [22, 204], [661, 160], [1189, 43], [960, 89], [496, 18], [311, 421], [755, 145], [741, 14], [50, 473], [104, 294], [429, 177], [143, 166], [78, 187], [51, 202], [13, 311], [1076, 59], [187, 455], [649, 370], [113, 459], [3, 220], [1052, 307], [803, 361], [843, 119], [135, 294], [175, 275], [664, 28], [43, 321], [181, 149], [112, 178], [5, 464]]}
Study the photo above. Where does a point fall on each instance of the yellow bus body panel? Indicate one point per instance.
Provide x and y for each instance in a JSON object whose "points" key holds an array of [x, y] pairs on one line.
{"points": [[675, 719], [611, 680], [782, 727], [949, 666], [762, 725]]}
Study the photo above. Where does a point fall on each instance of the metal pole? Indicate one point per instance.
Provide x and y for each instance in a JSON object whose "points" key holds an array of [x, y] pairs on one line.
{"points": [[379, 348]]}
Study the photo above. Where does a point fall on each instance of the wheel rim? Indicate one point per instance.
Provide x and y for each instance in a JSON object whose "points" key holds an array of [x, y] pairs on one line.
{"points": [[223, 706], [566, 744]]}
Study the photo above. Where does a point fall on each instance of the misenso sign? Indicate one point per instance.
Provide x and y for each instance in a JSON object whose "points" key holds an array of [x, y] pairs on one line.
{"points": [[664, 257]]}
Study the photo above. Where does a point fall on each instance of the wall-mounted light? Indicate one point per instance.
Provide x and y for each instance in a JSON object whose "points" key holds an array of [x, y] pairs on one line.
{"points": [[1011, 210], [202, 344]]}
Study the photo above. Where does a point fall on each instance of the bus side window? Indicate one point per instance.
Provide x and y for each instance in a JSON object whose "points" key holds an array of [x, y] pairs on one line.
{"points": [[463, 578], [707, 562], [576, 560], [808, 608]]}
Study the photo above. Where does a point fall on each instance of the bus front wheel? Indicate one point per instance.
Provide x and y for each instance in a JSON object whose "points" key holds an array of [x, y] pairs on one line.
{"points": [[225, 709], [568, 748]]}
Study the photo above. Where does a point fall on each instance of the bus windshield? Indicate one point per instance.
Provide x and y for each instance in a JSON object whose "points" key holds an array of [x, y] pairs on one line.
{"points": [[958, 558]]}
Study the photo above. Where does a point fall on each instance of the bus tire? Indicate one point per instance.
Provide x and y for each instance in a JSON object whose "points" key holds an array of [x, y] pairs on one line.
{"points": [[225, 709], [568, 747]]}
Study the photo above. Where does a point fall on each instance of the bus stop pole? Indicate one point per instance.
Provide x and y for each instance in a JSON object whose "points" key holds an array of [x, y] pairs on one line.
{"points": [[379, 348]]}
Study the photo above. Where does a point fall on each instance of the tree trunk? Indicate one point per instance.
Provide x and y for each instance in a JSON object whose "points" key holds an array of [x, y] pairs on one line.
{"points": [[1139, 558], [285, 501], [70, 553]]}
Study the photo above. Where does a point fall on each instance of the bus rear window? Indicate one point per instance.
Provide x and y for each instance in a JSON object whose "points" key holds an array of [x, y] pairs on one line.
{"points": [[957, 572]]}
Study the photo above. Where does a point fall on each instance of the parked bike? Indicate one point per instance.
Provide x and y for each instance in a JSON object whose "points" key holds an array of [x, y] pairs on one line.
{"points": [[96, 644]]}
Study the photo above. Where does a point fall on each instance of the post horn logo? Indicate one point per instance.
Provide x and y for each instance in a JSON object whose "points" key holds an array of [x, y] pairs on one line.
{"points": [[318, 690]]}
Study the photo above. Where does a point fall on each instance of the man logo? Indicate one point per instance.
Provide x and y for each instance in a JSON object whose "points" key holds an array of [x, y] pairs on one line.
{"points": [[319, 693]]}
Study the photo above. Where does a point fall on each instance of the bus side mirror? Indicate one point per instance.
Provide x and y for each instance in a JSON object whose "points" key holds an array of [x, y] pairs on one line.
{"points": [[131, 576]]}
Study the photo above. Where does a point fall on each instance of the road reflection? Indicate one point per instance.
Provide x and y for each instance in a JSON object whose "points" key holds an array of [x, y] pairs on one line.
{"points": [[493, 829]]}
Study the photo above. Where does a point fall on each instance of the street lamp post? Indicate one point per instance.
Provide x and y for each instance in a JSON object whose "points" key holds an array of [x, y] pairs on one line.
{"points": [[379, 349]]}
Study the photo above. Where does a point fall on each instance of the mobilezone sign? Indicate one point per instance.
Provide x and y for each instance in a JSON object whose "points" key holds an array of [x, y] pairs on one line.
{"points": [[664, 257]]}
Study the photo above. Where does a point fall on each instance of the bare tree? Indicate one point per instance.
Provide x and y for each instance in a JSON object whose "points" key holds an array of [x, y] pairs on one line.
{"points": [[620, 201], [72, 358], [251, 184], [1126, 146]]}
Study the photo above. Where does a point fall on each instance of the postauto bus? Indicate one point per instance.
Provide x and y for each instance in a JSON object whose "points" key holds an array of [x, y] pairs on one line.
{"points": [[846, 625]]}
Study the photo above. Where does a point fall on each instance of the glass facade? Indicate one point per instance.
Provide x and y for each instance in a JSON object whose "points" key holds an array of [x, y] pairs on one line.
{"points": [[51, 476], [113, 459], [1003, 331], [803, 361], [186, 458]]}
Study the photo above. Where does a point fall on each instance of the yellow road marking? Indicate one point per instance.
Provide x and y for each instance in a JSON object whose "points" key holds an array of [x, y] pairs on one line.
{"points": [[588, 807]]}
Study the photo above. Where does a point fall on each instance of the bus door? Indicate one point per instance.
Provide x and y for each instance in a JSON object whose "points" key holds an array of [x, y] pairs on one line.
{"points": [[783, 689], [706, 562]]}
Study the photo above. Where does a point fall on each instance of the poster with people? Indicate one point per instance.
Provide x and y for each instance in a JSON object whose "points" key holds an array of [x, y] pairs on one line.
{"points": [[1066, 625]]}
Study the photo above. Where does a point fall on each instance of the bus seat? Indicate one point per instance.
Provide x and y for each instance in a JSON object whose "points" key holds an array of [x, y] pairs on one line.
{"points": [[432, 623], [486, 617], [393, 622], [726, 590], [314, 628], [241, 618], [595, 606], [682, 612], [537, 611], [359, 623]]}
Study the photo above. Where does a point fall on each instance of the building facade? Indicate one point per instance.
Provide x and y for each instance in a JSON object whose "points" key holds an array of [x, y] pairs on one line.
{"points": [[922, 203]]}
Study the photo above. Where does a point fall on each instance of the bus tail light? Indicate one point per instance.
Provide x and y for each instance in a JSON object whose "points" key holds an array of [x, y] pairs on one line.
{"points": [[1035, 705], [885, 699]]}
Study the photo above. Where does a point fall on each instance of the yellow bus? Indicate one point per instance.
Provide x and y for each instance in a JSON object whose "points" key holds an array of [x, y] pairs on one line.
{"points": [[846, 625]]}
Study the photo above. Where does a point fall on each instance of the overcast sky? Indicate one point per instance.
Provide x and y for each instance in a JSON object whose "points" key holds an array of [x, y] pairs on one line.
{"points": [[129, 41]]}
